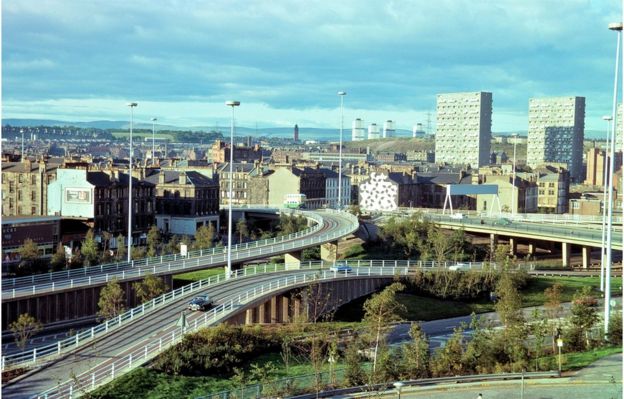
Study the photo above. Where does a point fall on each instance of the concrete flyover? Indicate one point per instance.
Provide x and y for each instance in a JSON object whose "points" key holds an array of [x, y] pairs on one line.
{"points": [[256, 298], [586, 236], [66, 295]]}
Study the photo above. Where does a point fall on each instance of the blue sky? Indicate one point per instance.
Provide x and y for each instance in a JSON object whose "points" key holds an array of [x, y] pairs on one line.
{"points": [[285, 60]]}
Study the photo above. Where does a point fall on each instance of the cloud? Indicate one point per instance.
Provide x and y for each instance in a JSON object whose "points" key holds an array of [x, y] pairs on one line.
{"points": [[294, 55]]}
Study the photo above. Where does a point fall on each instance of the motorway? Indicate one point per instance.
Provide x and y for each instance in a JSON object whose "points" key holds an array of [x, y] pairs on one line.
{"points": [[149, 328], [331, 226]]}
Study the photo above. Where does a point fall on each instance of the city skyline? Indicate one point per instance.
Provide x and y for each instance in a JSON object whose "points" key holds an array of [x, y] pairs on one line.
{"points": [[285, 62]]}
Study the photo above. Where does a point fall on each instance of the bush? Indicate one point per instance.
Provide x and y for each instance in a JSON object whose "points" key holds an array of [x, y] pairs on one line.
{"points": [[216, 351], [614, 333]]}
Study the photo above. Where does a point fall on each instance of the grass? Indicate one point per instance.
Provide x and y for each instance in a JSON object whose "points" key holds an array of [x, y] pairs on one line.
{"points": [[180, 280], [579, 360], [151, 384], [135, 135], [427, 308]]}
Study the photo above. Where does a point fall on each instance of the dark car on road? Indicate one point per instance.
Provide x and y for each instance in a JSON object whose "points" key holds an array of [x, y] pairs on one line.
{"points": [[201, 302]]}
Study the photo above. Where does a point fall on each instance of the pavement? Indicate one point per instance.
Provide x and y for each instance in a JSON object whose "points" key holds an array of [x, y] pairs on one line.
{"points": [[601, 380]]}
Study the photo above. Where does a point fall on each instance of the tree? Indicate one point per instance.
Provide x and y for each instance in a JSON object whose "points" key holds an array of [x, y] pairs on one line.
{"points": [[379, 311], [173, 245], [149, 288], [23, 328], [539, 328], [121, 248], [509, 305], [354, 374], [242, 229], [448, 359], [204, 237], [89, 249], [584, 316], [29, 257], [553, 310], [112, 300], [416, 354], [153, 241], [59, 259]]}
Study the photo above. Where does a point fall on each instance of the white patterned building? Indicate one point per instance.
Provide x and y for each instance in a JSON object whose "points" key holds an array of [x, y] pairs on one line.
{"points": [[387, 191]]}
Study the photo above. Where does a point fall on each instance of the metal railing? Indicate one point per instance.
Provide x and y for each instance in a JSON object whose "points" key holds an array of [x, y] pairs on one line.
{"points": [[139, 354], [562, 233], [115, 267], [44, 353], [243, 252]]}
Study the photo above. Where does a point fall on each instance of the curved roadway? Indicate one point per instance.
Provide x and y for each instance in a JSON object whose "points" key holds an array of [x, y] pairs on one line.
{"points": [[333, 225]]}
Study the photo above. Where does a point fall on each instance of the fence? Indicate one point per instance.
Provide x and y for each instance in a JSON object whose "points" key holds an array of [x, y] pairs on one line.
{"points": [[140, 353], [176, 263]]}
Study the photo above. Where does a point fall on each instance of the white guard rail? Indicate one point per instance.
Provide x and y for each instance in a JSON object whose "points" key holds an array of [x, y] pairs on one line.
{"points": [[176, 263], [141, 353]]}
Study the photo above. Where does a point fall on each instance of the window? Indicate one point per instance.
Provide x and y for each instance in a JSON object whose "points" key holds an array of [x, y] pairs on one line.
{"points": [[551, 192], [33, 196], [19, 195], [33, 210]]}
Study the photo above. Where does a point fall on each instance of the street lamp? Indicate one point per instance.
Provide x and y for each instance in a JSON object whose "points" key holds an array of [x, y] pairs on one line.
{"points": [[559, 345], [399, 386], [607, 284], [341, 94], [513, 179], [228, 270], [22, 153], [605, 177], [130, 209], [153, 138]]}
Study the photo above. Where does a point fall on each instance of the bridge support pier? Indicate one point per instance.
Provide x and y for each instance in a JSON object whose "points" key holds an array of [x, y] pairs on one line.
{"points": [[565, 253], [249, 316], [329, 251], [513, 245], [293, 260], [262, 313], [274, 313], [586, 256], [532, 249], [493, 242], [285, 309]]}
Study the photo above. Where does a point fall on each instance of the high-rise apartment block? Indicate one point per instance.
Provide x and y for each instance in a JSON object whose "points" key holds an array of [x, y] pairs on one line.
{"points": [[388, 130], [358, 133], [464, 128], [556, 131]]}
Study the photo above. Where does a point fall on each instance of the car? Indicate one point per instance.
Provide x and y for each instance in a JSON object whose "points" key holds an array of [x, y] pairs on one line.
{"points": [[502, 222], [340, 267], [201, 302], [459, 267]]}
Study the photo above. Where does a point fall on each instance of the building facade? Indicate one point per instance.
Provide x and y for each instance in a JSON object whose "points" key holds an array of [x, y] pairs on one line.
{"points": [[294, 180], [185, 201], [464, 128], [597, 161], [25, 187], [553, 190], [556, 132], [357, 131], [331, 188], [384, 191], [220, 152]]}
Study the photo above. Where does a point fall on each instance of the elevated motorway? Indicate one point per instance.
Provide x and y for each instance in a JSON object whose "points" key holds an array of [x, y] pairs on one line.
{"points": [[242, 298], [70, 294]]}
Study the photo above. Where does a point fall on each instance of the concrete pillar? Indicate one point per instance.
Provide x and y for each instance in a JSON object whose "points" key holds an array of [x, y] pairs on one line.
{"points": [[493, 242], [297, 309], [565, 253], [532, 249], [274, 314], [262, 314], [285, 310], [513, 245], [293, 260], [586, 256], [329, 251], [249, 316]]}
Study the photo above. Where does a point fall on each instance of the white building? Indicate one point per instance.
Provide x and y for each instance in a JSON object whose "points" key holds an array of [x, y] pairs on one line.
{"points": [[464, 128], [357, 132], [556, 132], [373, 131], [331, 188], [388, 129]]}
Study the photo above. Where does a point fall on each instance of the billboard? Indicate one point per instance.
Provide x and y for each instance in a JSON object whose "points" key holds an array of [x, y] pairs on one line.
{"points": [[78, 195], [467, 189]]}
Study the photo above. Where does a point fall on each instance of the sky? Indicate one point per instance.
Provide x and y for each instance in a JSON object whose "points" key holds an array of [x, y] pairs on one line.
{"points": [[285, 61]]}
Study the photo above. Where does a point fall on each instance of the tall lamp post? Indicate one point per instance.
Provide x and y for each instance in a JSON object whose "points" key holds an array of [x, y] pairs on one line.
{"points": [[153, 138], [513, 178], [341, 94], [605, 177], [22, 153], [130, 208], [607, 284], [228, 270]]}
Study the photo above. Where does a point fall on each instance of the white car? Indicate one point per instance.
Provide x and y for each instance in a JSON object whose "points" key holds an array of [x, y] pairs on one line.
{"points": [[459, 267]]}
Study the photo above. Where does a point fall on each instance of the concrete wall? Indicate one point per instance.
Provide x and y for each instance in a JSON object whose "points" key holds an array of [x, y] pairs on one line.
{"points": [[71, 194]]}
